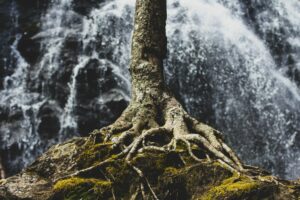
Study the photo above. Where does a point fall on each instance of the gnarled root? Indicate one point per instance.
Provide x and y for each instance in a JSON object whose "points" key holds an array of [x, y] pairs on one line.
{"points": [[134, 131], [150, 127]]}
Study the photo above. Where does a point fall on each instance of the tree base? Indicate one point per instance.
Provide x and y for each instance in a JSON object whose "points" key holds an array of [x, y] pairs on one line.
{"points": [[145, 154], [84, 169], [142, 128]]}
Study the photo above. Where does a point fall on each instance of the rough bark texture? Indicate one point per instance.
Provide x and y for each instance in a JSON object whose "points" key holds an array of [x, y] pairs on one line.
{"points": [[155, 150], [148, 50]]}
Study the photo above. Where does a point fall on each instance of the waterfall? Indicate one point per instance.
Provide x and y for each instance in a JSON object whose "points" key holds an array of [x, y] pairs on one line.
{"points": [[21, 104], [233, 64], [56, 26], [252, 100], [93, 26], [36, 116]]}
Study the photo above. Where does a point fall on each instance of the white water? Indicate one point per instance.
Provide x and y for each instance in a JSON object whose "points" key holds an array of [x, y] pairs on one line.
{"points": [[255, 104], [218, 65], [252, 98], [68, 120], [15, 97], [99, 24], [56, 26], [94, 26]]}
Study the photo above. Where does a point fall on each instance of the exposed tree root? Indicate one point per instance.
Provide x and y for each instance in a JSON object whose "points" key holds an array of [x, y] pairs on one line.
{"points": [[135, 195], [144, 179], [134, 130], [143, 128]]}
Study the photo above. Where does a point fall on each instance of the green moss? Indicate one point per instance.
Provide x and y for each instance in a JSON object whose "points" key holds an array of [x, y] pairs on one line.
{"points": [[232, 188], [70, 183], [171, 171], [80, 188], [93, 153]]}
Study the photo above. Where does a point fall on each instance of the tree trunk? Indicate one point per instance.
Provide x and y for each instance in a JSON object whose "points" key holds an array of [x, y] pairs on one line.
{"points": [[153, 109], [149, 46], [154, 121]]}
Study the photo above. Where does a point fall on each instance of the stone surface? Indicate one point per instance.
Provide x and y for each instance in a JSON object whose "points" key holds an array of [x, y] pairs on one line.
{"points": [[171, 175]]}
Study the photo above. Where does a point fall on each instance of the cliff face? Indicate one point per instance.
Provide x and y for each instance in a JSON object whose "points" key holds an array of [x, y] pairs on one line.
{"points": [[170, 175]]}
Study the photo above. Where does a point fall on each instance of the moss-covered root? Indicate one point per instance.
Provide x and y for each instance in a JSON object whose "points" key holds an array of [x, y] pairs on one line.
{"points": [[155, 120], [151, 130]]}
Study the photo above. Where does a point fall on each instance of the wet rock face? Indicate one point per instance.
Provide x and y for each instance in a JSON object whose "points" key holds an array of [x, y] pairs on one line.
{"points": [[6, 34], [85, 6], [12, 152], [57, 86], [30, 13], [49, 124], [53, 101], [17, 19], [89, 88]]}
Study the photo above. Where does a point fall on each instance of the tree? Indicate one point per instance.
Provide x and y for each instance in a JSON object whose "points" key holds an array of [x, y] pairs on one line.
{"points": [[153, 109], [154, 121]]}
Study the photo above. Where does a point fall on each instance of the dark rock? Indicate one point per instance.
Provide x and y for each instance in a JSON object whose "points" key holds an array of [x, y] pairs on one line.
{"points": [[95, 81], [100, 116], [3, 114], [30, 13], [91, 80], [49, 125], [7, 32], [11, 159], [84, 6], [15, 114]]}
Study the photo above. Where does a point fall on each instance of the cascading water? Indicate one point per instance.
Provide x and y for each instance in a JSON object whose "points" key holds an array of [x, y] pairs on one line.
{"points": [[233, 64], [43, 116], [252, 101]]}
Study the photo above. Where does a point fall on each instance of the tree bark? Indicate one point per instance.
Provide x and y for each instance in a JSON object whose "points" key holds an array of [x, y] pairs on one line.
{"points": [[149, 47]]}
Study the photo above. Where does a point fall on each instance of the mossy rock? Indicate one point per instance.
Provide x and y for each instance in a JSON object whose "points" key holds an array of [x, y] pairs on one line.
{"points": [[173, 176], [240, 187], [81, 188], [92, 153]]}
